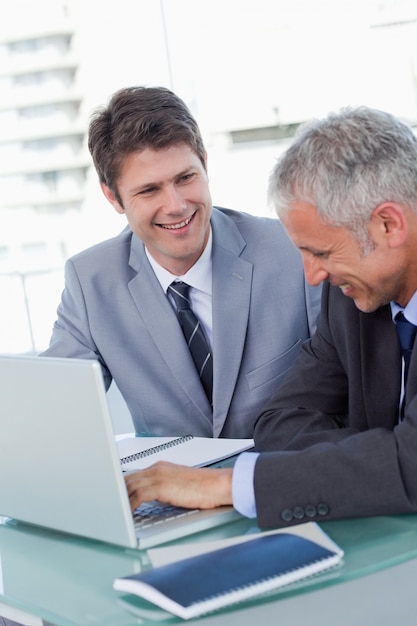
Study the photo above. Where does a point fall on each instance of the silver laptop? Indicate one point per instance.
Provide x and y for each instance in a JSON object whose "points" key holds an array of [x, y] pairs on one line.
{"points": [[59, 465]]}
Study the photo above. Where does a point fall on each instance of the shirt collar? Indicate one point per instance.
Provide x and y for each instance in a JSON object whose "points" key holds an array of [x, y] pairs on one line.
{"points": [[198, 276], [410, 311]]}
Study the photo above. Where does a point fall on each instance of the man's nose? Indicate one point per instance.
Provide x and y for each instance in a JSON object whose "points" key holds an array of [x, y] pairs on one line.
{"points": [[173, 200], [314, 270]]}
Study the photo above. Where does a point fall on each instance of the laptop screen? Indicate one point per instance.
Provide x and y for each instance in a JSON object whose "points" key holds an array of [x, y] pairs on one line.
{"points": [[57, 449]]}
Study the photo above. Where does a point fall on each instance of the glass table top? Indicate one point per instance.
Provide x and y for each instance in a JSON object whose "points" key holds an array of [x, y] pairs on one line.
{"points": [[68, 580]]}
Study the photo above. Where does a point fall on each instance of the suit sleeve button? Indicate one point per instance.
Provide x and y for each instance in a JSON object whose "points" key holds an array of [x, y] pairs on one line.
{"points": [[322, 509], [298, 512], [286, 515], [310, 510]]}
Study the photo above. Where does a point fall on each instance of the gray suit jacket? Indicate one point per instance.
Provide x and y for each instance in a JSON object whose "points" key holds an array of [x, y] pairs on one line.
{"points": [[114, 309], [336, 417]]}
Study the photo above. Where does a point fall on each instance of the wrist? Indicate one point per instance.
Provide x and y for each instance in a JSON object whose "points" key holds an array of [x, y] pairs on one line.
{"points": [[224, 485]]}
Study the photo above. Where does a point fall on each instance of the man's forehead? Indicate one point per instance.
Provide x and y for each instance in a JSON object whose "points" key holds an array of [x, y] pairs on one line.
{"points": [[176, 157], [307, 228]]}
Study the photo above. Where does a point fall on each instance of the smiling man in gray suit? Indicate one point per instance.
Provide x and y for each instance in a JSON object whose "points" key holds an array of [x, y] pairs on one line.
{"points": [[247, 283]]}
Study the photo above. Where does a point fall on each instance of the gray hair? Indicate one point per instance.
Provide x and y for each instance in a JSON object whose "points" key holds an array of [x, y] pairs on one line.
{"points": [[346, 165]]}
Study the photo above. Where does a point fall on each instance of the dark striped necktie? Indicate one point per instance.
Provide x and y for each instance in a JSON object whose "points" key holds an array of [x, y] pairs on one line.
{"points": [[194, 335], [406, 333]]}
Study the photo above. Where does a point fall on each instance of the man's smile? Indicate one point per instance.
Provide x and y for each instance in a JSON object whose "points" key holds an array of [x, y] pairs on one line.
{"points": [[178, 225], [345, 287]]}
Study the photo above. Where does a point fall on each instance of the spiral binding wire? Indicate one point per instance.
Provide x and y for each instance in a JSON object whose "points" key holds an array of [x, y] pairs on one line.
{"points": [[163, 446]]}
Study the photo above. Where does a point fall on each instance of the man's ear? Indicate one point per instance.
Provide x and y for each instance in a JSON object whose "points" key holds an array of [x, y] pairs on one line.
{"points": [[389, 223], [111, 198]]}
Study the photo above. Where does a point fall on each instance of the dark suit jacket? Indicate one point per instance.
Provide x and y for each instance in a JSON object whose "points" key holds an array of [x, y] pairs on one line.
{"points": [[113, 309], [336, 418]]}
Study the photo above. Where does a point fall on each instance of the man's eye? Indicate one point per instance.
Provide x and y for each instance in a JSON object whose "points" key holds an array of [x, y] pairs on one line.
{"points": [[148, 190], [186, 178]]}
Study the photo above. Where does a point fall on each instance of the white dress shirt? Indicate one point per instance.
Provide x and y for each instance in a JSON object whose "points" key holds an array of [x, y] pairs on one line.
{"points": [[199, 277]]}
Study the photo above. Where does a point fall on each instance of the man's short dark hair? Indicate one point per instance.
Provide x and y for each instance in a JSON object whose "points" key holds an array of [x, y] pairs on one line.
{"points": [[136, 118]]}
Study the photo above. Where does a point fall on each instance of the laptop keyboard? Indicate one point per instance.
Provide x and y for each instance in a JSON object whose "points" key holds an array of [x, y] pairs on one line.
{"points": [[151, 513]]}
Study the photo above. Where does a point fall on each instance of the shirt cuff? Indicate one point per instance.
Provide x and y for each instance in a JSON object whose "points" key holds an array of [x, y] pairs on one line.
{"points": [[243, 492]]}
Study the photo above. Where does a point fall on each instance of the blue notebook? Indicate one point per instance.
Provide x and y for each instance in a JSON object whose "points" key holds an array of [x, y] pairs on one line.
{"points": [[209, 581]]}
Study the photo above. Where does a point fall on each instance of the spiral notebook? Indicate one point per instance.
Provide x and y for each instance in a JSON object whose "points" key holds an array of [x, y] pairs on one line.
{"points": [[59, 463], [239, 571], [136, 453]]}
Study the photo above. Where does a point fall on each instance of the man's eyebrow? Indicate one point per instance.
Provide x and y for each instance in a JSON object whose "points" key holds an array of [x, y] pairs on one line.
{"points": [[187, 170], [158, 183], [314, 251], [143, 186]]}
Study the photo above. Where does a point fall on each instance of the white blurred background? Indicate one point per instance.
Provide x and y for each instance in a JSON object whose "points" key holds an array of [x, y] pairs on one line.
{"points": [[250, 71]]}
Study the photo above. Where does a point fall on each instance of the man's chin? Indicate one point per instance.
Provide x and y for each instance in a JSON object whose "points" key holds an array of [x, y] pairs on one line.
{"points": [[366, 307]]}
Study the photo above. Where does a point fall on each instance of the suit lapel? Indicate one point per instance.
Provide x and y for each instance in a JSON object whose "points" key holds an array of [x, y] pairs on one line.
{"points": [[232, 285], [382, 385], [412, 375]]}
